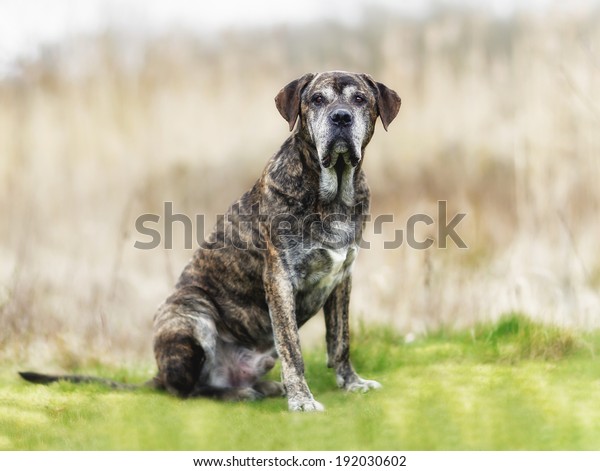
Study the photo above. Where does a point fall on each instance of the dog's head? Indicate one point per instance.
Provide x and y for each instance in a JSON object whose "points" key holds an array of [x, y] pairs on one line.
{"points": [[337, 112]]}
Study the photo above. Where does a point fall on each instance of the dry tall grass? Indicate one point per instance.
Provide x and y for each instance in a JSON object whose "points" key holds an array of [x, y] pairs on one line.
{"points": [[499, 118]]}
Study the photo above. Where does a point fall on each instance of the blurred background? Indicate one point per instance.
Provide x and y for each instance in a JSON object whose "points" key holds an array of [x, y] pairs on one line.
{"points": [[109, 109]]}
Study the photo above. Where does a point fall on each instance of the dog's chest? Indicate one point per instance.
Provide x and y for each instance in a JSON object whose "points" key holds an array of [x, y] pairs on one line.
{"points": [[323, 267], [318, 273]]}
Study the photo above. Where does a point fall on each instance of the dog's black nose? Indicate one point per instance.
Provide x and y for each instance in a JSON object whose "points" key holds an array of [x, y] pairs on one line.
{"points": [[341, 117]]}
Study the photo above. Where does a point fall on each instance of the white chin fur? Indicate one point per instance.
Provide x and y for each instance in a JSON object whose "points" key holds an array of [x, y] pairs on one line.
{"points": [[340, 148]]}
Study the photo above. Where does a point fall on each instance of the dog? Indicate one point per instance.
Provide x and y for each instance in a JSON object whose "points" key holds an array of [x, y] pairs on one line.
{"points": [[284, 251]]}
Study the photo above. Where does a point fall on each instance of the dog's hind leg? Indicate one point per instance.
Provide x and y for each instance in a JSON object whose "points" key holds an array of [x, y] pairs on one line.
{"points": [[194, 361], [184, 341]]}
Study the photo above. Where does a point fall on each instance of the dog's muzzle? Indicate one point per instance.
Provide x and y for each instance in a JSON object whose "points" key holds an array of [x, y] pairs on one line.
{"points": [[340, 142]]}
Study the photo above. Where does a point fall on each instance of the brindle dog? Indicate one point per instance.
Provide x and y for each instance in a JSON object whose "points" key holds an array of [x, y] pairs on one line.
{"points": [[284, 250]]}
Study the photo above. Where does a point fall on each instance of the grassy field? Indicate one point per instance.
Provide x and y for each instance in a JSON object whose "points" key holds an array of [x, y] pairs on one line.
{"points": [[511, 385]]}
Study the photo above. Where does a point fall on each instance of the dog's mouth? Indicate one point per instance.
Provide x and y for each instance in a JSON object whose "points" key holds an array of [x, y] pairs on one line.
{"points": [[339, 154]]}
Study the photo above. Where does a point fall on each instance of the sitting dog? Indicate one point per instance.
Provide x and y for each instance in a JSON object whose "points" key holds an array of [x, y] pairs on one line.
{"points": [[285, 250]]}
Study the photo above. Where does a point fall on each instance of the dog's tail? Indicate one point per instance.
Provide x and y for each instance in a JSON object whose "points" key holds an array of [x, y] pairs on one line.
{"points": [[39, 378]]}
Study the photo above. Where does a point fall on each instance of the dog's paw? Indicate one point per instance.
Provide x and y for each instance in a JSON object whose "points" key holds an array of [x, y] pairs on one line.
{"points": [[357, 384], [305, 405], [243, 394], [270, 388]]}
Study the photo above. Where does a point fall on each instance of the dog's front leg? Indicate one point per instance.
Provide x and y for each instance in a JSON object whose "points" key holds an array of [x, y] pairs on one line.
{"points": [[281, 301], [338, 340]]}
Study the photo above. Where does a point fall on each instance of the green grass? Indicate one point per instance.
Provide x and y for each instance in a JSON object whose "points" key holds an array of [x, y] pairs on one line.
{"points": [[513, 385]]}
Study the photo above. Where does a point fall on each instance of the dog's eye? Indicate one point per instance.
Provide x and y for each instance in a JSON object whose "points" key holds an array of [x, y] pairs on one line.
{"points": [[318, 99], [359, 99]]}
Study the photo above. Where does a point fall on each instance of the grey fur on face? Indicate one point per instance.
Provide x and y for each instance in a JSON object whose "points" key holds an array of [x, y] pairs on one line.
{"points": [[340, 121]]}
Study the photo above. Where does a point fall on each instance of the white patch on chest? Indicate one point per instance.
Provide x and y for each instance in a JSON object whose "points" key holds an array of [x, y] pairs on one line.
{"points": [[341, 261], [333, 277], [323, 270]]}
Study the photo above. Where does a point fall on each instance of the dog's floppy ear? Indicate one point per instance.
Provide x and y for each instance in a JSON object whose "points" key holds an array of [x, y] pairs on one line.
{"points": [[288, 99], [388, 101]]}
